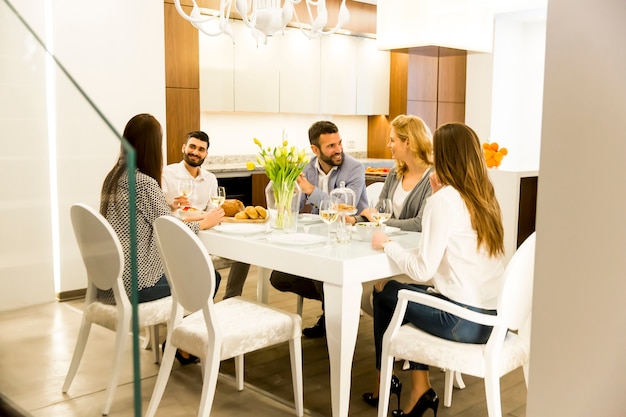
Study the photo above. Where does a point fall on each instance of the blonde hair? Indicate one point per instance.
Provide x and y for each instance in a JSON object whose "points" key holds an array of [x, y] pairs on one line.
{"points": [[413, 129], [460, 163]]}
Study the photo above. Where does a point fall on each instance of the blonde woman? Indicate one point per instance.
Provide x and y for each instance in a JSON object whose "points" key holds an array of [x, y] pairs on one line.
{"points": [[461, 250], [408, 187]]}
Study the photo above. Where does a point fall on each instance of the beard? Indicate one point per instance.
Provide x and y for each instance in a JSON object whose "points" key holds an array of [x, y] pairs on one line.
{"points": [[191, 162], [328, 159]]}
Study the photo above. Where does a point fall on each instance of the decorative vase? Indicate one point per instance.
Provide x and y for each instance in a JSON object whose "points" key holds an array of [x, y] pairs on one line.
{"points": [[283, 204]]}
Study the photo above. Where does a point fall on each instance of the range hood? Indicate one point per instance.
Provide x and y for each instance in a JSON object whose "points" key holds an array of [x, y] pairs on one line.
{"points": [[458, 24]]}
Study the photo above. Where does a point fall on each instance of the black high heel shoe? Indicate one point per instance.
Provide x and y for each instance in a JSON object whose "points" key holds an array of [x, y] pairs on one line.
{"points": [[396, 388], [428, 400], [183, 361]]}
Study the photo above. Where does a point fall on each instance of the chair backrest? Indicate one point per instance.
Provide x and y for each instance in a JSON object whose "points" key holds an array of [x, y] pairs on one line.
{"points": [[515, 302], [187, 264], [373, 191], [99, 246]]}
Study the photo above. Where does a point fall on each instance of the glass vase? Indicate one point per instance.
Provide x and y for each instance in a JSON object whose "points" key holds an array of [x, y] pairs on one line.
{"points": [[283, 204]]}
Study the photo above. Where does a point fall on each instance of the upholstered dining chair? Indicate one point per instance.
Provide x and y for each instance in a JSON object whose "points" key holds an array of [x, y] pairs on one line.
{"points": [[373, 190], [504, 352], [215, 331], [103, 258]]}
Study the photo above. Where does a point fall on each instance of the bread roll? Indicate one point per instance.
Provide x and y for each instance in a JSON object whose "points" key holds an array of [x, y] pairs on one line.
{"points": [[251, 212], [232, 207], [241, 215], [262, 212]]}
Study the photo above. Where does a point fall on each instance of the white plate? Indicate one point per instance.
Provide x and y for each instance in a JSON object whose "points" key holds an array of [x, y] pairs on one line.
{"points": [[390, 230], [240, 228], [298, 239], [309, 218]]}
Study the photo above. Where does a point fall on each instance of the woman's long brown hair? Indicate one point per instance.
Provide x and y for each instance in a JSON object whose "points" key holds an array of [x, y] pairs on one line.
{"points": [[460, 163], [143, 132]]}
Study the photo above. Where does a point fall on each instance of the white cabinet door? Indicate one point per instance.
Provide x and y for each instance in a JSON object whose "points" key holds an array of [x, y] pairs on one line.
{"points": [[256, 72], [372, 79], [299, 73], [217, 72], [338, 75]]}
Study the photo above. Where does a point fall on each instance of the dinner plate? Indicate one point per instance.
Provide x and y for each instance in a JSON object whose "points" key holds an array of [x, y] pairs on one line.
{"points": [[240, 228], [390, 230], [309, 218], [297, 239]]}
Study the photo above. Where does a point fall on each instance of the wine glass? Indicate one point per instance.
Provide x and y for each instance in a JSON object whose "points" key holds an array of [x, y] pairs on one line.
{"points": [[328, 214], [381, 212], [185, 187], [218, 198]]}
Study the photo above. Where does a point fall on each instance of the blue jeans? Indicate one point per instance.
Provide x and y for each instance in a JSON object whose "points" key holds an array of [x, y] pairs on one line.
{"points": [[428, 319], [162, 289]]}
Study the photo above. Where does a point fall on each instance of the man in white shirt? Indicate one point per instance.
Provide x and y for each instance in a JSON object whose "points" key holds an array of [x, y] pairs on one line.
{"points": [[195, 151]]}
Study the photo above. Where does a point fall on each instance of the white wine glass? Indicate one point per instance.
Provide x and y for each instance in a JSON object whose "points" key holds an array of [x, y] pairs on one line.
{"points": [[185, 187], [328, 214], [381, 212], [218, 197]]}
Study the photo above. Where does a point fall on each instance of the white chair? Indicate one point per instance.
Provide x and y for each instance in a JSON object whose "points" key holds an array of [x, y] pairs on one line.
{"points": [[373, 190], [103, 257], [504, 352], [215, 331]]}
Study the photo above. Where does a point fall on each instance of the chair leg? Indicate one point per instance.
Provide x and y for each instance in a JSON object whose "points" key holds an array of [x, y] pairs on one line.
{"points": [[458, 380], [492, 393], [154, 337], [209, 381], [79, 350], [161, 381], [295, 353], [300, 303], [448, 387], [386, 369], [121, 333], [147, 339], [239, 372]]}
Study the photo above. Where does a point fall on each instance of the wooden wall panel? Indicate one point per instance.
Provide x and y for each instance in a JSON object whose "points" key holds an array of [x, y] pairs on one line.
{"points": [[452, 70], [182, 114], [425, 110], [182, 67], [423, 73], [398, 67], [450, 112], [377, 137]]}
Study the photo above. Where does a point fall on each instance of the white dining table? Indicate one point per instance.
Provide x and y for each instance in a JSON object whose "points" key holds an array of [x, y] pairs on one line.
{"points": [[341, 267]]}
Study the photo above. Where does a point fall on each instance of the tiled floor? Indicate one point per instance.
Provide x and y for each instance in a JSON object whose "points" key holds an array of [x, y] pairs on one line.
{"points": [[38, 343]]}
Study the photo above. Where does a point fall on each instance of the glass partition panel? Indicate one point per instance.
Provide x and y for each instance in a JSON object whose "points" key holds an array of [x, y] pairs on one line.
{"points": [[57, 147]]}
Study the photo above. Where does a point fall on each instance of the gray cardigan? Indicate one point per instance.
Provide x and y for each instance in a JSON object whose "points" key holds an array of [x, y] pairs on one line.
{"points": [[411, 215]]}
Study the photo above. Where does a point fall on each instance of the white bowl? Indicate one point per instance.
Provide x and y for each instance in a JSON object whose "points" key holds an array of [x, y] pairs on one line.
{"points": [[186, 212], [365, 230]]}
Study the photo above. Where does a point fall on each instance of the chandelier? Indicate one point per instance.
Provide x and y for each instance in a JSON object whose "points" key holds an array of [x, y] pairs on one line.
{"points": [[265, 17]]}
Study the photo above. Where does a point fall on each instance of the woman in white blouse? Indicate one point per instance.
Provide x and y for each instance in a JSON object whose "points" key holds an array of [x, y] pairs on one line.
{"points": [[461, 250]]}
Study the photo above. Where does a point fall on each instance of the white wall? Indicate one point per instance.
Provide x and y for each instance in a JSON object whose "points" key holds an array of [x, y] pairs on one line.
{"points": [[579, 314], [122, 71], [233, 133]]}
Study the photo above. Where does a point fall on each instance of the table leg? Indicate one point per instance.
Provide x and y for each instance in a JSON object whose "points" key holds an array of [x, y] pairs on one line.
{"points": [[262, 284], [341, 309]]}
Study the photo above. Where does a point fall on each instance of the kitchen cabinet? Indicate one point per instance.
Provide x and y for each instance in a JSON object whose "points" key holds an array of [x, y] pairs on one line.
{"points": [[338, 75], [217, 73], [372, 89], [299, 73], [256, 72]]}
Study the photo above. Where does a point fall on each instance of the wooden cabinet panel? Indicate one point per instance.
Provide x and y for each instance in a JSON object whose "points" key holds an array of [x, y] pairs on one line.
{"points": [[182, 114], [372, 93], [377, 137], [450, 112], [259, 182], [256, 73], [338, 75], [422, 73], [217, 73], [181, 50], [299, 73], [398, 78], [452, 71], [425, 110]]}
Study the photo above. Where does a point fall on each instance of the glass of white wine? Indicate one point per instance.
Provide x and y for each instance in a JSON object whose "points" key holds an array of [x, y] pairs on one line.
{"points": [[381, 212], [185, 187], [218, 198], [328, 214]]}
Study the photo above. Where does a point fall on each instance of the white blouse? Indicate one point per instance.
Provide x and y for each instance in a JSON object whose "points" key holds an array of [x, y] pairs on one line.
{"points": [[447, 253]]}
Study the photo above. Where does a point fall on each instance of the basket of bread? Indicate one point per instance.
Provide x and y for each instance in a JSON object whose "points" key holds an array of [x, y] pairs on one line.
{"points": [[236, 212]]}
